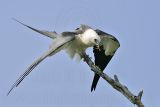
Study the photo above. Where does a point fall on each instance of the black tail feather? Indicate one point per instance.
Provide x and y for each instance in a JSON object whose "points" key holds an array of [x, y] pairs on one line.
{"points": [[95, 81]]}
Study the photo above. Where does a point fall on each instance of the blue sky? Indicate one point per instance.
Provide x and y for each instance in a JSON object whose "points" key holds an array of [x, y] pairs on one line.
{"points": [[60, 81]]}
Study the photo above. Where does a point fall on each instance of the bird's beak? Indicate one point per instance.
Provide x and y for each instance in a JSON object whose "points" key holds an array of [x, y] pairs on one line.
{"points": [[98, 45]]}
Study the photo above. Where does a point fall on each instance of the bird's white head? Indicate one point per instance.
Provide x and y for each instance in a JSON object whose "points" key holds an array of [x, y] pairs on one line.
{"points": [[89, 37]]}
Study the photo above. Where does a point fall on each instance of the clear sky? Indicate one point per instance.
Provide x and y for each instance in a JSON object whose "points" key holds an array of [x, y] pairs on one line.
{"points": [[62, 82]]}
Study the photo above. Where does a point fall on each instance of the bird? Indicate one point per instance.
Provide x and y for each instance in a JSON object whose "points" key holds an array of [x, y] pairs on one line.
{"points": [[75, 43], [103, 53]]}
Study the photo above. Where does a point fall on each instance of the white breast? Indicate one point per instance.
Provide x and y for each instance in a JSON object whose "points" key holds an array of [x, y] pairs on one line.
{"points": [[75, 48], [82, 42]]}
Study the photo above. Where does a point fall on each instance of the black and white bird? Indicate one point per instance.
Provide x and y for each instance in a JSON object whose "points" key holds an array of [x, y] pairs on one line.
{"points": [[103, 53], [104, 46], [74, 43]]}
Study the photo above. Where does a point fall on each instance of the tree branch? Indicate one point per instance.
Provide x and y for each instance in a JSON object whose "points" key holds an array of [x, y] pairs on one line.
{"points": [[135, 99]]}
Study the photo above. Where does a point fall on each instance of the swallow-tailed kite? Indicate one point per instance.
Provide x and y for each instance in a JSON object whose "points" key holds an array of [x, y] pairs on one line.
{"points": [[73, 42], [104, 53]]}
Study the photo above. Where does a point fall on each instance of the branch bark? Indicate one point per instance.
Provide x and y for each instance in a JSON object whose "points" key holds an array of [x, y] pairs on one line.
{"points": [[115, 83]]}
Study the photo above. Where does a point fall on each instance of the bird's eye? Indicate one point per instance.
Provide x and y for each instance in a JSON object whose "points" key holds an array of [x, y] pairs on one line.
{"points": [[95, 40]]}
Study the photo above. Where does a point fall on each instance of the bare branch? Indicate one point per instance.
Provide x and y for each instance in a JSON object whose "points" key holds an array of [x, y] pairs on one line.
{"points": [[116, 78], [115, 83]]}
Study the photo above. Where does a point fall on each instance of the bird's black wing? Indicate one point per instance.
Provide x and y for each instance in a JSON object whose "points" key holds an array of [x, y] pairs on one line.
{"points": [[101, 58]]}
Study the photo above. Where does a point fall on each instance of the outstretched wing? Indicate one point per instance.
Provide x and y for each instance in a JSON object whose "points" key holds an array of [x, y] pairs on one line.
{"points": [[49, 34], [59, 43], [104, 53]]}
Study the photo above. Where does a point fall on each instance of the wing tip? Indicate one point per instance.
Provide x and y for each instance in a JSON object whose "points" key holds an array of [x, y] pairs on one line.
{"points": [[9, 91], [21, 23], [92, 89], [17, 21]]}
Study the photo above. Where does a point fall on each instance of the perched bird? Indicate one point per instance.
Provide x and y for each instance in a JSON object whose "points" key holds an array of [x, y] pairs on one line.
{"points": [[74, 43], [103, 53]]}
